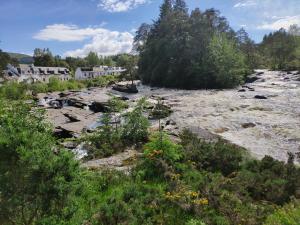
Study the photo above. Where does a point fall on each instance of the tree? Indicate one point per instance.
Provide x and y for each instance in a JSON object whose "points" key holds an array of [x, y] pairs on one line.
{"points": [[247, 46], [280, 47], [43, 57], [174, 50], [227, 62], [6, 59], [92, 59], [37, 178], [130, 64]]}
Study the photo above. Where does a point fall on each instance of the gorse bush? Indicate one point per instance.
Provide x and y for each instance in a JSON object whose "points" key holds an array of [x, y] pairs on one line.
{"points": [[160, 158], [214, 157]]}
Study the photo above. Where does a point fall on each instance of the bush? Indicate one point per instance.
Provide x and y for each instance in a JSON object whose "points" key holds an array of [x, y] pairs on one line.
{"points": [[269, 180], [13, 91], [37, 179], [105, 142], [160, 158], [39, 88], [135, 128], [214, 157], [287, 215]]}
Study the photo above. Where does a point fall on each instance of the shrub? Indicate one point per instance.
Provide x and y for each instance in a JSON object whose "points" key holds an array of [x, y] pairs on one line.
{"points": [[135, 128], [287, 215], [37, 179], [13, 91], [160, 158], [214, 157], [269, 180], [105, 142]]}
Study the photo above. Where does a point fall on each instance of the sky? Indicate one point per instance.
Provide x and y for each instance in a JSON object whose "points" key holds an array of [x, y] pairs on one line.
{"points": [[76, 27]]}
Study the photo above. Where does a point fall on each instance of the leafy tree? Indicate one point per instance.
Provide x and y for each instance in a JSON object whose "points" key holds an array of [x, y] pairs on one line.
{"points": [[176, 51], [6, 59], [36, 178], [135, 128], [280, 48], [226, 62], [249, 49], [92, 59], [43, 57]]}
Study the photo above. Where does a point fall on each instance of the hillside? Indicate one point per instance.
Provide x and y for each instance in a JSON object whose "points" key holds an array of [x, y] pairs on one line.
{"points": [[22, 58]]}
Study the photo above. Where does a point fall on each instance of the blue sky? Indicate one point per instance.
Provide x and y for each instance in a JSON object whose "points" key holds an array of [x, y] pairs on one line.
{"points": [[75, 27]]}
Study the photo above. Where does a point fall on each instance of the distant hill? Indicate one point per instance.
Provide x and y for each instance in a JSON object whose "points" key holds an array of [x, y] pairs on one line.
{"points": [[22, 58]]}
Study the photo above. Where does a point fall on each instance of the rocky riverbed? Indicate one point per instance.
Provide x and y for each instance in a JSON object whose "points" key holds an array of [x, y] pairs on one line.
{"points": [[263, 116]]}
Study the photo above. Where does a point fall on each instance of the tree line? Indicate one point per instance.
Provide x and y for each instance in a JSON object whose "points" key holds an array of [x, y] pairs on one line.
{"points": [[200, 50], [44, 57]]}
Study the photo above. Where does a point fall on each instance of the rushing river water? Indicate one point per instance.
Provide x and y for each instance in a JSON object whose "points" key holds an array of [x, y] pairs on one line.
{"points": [[263, 117], [268, 126]]}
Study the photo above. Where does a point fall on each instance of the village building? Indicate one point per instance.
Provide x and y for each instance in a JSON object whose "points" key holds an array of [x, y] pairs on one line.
{"points": [[83, 73], [31, 74]]}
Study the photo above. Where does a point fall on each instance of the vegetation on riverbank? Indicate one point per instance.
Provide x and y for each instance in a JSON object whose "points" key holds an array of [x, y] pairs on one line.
{"points": [[15, 91], [192, 182]]}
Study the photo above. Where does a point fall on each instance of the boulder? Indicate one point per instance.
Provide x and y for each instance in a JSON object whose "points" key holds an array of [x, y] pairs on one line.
{"points": [[242, 90], [99, 107], [55, 104], [73, 118], [170, 122], [64, 94], [77, 103], [127, 88], [260, 97], [62, 133], [259, 73], [69, 145], [248, 125], [252, 79]]}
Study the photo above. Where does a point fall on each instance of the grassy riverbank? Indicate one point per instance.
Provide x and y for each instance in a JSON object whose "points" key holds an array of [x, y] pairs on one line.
{"points": [[17, 91]]}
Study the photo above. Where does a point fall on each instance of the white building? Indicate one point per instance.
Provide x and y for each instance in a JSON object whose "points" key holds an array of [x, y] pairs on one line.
{"points": [[93, 72], [32, 74]]}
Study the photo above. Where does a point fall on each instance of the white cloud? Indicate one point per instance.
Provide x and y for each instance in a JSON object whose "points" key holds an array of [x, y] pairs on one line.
{"points": [[102, 41], [284, 22], [243, 4], [120, 5], [66, 33], [106, 43]]}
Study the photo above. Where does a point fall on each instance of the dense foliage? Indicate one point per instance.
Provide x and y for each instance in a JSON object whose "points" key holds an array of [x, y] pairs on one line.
{"points": [[193, 182], [6, 59], [112, 137], [15, 91], [281, 49], [197, 50]]}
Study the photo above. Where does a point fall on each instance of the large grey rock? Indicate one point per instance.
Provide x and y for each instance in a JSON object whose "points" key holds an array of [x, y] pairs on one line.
{"points": [[127, 88]]}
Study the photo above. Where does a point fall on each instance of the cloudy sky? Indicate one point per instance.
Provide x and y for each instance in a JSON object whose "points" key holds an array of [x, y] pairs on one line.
{"points": [[76, 27]]}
